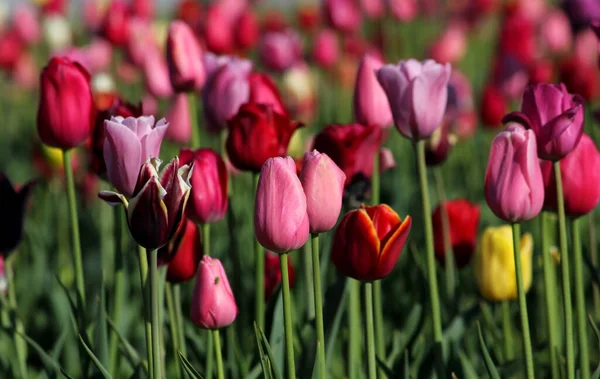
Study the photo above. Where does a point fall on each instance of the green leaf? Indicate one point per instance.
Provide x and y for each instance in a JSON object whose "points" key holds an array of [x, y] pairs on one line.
{"points": [[48, 360], [129, 351], [596, 373], [277, 336], [263, 358], [316, 372], [95, 359], [489, 363], [386, 370], [63, 372], [101, 337], [188, 367], [335, 304], [276, 373]]}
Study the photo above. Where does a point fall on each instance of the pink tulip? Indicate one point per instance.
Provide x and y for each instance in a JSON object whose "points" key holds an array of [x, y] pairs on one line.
{"points": [[585, 47], [26, 23], [213, 62], [514, 187], [451, 45], [156, 74], [25, 72], [417, 93], [141, 40], [92, 14], [280, 215], [184, 56], [149, 104], [404, 10], [554, 115], [373, 8], [343, 15], [386, 159], [218, 30], [129, 143], [142, 8], [326, 51], [280, 50], [178, 115], [208, 200], [323, 183], [556, 32], [213, 304], [98, 55], [371, 106]]}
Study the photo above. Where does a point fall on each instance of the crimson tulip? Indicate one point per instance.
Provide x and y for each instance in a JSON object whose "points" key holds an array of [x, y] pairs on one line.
{"points": [[463, 221], [183, 253]]}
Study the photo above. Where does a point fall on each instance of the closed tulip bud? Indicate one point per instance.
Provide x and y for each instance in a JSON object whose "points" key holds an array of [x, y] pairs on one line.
{"points": [[115, 27], [326, 51], [554, 115], [213, 304], [183, 253], [13, 203], [417, 93], [263, 90], [256, 133], [184, 57], [156, 74], [208, 198], [368, 242], [323, 183], [451, 45], [463, 221], [66, 110], [246, 31], [495, 263], [371, 106], [514, 189], [386, 159], [404, 10], [155, 209], [373, 8], [580, 171], [26, 23], [280, 50], [11, 48], [556, 32], [343, 15], [218, 33], [280, 214], [273, 274], [178, 114], [128, 144]]}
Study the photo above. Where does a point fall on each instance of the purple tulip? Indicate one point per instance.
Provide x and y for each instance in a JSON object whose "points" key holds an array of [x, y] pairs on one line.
{"points": [[184, 56], [514, 187], [371, 106], [417, 93], [280, 215], [323, 183], [554, 115], [129, 143]]}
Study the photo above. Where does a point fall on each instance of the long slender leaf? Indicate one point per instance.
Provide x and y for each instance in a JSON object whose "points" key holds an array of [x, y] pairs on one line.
{"points": [[596, 373], [316, 372], [48, 360], [130, 352], [489, 363], [188, 367], [276, 373], [64, 373], [101, 340], [267, 374], [333, 329], [95, 359]]}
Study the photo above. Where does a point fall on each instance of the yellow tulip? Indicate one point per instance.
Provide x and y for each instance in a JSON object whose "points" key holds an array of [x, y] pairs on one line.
{"points": [[495, 264]]}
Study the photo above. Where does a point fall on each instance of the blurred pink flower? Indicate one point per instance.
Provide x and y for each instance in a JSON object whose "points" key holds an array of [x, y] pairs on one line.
{"points": [[404, 10], [280, 50], [451, 46], [585, 47], [178, 116], [326, 49], [26, 23], [555, 32], [343, 15], [156, 74]]}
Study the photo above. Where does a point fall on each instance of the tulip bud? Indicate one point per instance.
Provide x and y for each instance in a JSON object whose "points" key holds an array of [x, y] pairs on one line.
{"points": [[257, 133], [66, 111], [495, 264], [178, 114], [115, 27], [184, 56], [26, 23], [13, 203], [280, 50], [343, 15], [493, 106], [451, 45], [213, 304], [129, 143], [323, 183], [273, 274], [156, 74], [386, 159], [554, 115], [263, 90], [183, 253], [326, 50], [417, 93], [208, 199], [218, 31], [368, 242], [580, 78], [580, 171], [556, 32], [156, 207], [404, 10], [514, 189], [463, 221], [371, 106], [11, 48], [246, 31], [280, 215]]}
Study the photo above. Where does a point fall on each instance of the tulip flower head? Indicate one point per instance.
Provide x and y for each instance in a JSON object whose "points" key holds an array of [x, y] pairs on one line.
{"points": [[183, 253], [13, 203], [495, 263], [213, 304], [368, 242], [184, 56], [371, 106], [157, 204], [514, 189], [417, 93]]}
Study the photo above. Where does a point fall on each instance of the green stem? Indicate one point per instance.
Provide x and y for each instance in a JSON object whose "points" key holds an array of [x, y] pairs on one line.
{"points": [[564, 263], [309, 287], [259, 266], [594, 258], [210, 356], [206, 238], [218, 354], [143, 267], [522, 301], [194, 121], [179, 317], [550, 296], [119, 287], [584, 359], [431, 274], [449, 262], [174, 327], [372, 362], [354, 349], [507, 329], [316, 271], [378, 303], [287, 315], [74, 227], [155, 316], [17, 324]]}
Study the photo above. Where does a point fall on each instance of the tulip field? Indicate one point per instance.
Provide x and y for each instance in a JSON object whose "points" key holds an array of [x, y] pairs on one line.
{"points": [[235, 189]]}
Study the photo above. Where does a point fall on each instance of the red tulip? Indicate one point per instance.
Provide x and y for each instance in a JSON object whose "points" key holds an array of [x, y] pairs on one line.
{"points": [[273, 274], [263, 90], [308, 17], [517, 37], [218, 33], [580, 78], [115, 27], [11, 48], [183, 253], [190, 12], [463, 221], [246, 30], [493, 106]]}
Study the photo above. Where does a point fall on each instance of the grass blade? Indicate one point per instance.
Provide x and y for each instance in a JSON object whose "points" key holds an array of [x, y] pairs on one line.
{"points": [[489, 363], [95, 359]]}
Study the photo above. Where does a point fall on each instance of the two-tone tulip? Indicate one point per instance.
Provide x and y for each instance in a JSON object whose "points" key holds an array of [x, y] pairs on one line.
{"points": [[368, 241], [184, 57]]}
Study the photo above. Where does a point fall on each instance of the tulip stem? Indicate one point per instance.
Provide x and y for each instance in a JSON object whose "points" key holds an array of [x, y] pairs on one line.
{"points": [[194, 120], [431, 273], [371, 361], [74, 227], [580, 302], [143, 266], [594, 259], [180, 324], [316, 270], [206, 238], [218, 354], [354, 349], [522, 301], [119, 287], [156, 352], [449, 263], [17, 324], [174, 327], [564, 264], [210, 356], [259, 265], [550, 292], [507, 329], [308, 282], [287, 315], [377, 303]]}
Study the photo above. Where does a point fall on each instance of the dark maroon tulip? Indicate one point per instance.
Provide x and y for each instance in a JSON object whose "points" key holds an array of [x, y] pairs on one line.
{"points": [[12, 207]]}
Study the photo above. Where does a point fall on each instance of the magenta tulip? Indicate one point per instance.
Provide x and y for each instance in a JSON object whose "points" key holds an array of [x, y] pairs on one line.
{"points": [[280, 50], [156, 74], [371, 106], [514, 188], [323, 183], [326, 51], [180, 124], [184, 56], [213, 304], [417, 93], [129, 143], [280, 215]]}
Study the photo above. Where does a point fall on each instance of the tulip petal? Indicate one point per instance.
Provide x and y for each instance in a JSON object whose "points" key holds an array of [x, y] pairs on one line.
{"points": [[397, 88], [518, 117], [392, 247], [152, 140], [113, 198], [148, 216], [429, 99], [122, 154], [384, 219], [148, 170], [561, 132]]}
